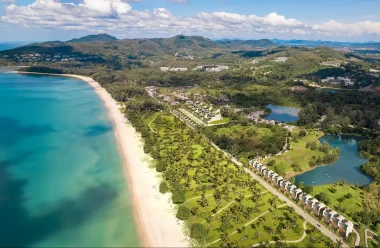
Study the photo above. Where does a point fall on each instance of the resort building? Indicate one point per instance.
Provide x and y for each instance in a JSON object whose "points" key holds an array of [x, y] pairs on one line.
{"points": [[263, 169], [335, 220], [318, 208], [346, 227], [328, 213], [295, 193], [279, 180], [283, 185], [290, 187], [310, 203], [304, 198], [274, 178]]}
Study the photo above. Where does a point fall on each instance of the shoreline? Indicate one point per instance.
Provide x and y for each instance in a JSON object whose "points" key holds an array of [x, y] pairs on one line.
{"points": [[153, 212]]}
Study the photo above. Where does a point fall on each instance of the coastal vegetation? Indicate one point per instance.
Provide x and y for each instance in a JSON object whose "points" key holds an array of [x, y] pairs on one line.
{"points": [[219, 203]]}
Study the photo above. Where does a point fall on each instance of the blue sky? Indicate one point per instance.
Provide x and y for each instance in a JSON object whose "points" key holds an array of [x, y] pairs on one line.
{"points": [[342, 20]]}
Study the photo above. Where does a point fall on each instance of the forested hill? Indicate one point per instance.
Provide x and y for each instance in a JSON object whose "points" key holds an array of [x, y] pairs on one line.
{"points": [[263, 43], [92, 38], [106, 45]]}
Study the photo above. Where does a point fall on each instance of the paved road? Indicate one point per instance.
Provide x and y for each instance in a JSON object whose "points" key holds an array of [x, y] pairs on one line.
{"points": [[357, 242], [366, 231]]}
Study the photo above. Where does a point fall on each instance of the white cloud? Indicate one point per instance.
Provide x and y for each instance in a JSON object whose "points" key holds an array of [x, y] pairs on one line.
{"points": [[118, 18], [179, 1], [333, 27]]}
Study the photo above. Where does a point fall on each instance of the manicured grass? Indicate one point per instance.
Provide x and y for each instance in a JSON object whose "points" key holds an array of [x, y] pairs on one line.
{"points": [[347, 206], [222, 121], [298, 154]]}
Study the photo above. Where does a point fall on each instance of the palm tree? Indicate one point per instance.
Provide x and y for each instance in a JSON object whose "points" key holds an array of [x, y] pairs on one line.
{"points": [[339, 243]]}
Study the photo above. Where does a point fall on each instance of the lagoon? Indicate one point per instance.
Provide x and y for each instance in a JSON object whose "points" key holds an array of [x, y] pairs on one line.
{"points": [[61, 176], [346, 168], [283, 114]]}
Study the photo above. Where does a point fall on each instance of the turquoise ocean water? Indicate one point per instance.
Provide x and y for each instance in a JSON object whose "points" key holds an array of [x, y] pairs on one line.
{"points": [[61, 178]]}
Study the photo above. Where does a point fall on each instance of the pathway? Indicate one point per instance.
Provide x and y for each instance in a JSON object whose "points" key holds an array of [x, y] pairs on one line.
{"points": [[288, 241], [366, 231], [357, 242], [150, 127], [229, 204], [246, 224], [197, 197]]}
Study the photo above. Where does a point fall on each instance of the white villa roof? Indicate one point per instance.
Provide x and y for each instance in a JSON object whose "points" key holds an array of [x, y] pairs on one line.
{"points": [[321, 205], [347, 222], [339, 217]]}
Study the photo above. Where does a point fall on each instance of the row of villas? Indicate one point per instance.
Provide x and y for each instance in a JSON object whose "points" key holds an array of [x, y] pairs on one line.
{"points": [[330, 217]]}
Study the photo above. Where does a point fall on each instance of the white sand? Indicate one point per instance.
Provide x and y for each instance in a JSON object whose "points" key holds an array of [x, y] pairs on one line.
{"points": [[154, 213]]}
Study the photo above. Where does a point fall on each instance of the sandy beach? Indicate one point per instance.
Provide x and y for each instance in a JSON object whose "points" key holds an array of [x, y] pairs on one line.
{"points": [[154, 213]]}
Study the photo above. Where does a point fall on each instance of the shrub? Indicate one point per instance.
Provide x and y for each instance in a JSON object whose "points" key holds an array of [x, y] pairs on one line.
{"points": [[271, 163], [302, 133], [160, 167], [307, 189], [164, 188], [198, 231], [348, 195], [333, 190], [323, 197], [183, 213], [178, 197]]}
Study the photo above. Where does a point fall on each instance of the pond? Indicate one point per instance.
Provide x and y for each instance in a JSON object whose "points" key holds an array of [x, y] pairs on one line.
{"points": [[281, 113], [346, 168]]}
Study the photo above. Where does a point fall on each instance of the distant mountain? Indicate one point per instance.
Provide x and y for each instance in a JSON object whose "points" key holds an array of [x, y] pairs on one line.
{"points": [[332, 44], [262, 43], [95, 37]]}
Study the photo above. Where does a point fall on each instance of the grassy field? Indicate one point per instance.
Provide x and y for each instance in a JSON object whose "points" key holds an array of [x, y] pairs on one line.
{"points": [[222, 121], [341, 199], [223, 204], [298, 154]]}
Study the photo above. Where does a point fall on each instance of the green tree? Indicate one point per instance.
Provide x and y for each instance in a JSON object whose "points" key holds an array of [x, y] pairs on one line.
{"points": [[183, 213], [163, 187], [198, 231]]}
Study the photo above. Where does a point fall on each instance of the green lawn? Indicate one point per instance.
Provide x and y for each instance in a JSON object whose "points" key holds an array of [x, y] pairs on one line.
{"points": [[222, 121], [298, 154], [347, 206]]}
